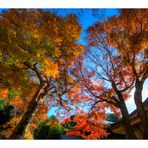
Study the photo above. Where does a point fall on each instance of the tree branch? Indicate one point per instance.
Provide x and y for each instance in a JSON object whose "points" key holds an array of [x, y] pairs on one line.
{"points": [[35, 69]]}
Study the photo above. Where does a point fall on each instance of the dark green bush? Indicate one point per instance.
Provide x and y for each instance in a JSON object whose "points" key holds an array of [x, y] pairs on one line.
{"points": [[47, 131], [5, 112]]}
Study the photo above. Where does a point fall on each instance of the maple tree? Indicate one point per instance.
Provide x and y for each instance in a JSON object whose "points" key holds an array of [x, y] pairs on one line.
{"points": [[87, 126], [104, 63], [106, 86], [132, 47], [116, 54], [128, 37], [42, 43]]}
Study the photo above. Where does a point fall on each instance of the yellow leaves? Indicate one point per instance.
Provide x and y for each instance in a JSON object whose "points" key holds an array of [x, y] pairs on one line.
{"points": [[50, 68], [58, 40], [38, 55], [36, 36]]}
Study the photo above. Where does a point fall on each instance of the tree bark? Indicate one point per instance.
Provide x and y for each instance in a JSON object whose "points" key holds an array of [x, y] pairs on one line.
{"points": [[21, 126], [126, 122], [125, 115], [140, 107]]}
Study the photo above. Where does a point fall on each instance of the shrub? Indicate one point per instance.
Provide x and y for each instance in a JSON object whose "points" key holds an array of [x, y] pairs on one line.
{"points": [[45, 130]]}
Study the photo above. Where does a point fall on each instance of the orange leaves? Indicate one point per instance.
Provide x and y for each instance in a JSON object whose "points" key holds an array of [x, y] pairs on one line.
{"points": [[70, 79], [67, 120], [88, 127], [4, 93], [41, 112], [19, 104], [78, 50], [73, 29], [41, 35], [97, 86], [74, 93]]}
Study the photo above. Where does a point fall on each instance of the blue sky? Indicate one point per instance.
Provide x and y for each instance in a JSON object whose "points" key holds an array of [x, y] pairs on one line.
{"points": [[86, 19]]}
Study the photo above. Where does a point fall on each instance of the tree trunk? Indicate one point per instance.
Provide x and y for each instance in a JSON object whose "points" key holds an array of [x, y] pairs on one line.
{"points": [[140, 108], [126, 122], [125, 115], [21, 126]]}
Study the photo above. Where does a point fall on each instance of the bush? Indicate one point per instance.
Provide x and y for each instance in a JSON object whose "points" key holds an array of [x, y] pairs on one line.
{"points": [[47, 131], [5, 112]]}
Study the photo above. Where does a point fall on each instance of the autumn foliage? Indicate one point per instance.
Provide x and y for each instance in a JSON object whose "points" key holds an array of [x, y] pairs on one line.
{"points": [[88, 126], [44, 65]]}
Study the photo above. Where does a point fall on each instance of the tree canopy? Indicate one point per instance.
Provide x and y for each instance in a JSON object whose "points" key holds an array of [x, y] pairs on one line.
{"points": [[44, 65]]}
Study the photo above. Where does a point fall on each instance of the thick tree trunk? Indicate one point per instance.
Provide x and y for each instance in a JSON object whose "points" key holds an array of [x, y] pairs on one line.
{"points": [[140, 108], [126, 122], [125, 115], [21, 126]]}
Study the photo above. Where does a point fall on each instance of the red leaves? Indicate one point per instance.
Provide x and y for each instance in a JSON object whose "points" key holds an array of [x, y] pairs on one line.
{"points": [[88, 127]]}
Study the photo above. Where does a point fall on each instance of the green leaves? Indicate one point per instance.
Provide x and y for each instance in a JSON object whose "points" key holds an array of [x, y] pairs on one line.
{"points": [[12, 94], [2, 104], [50, 129]]}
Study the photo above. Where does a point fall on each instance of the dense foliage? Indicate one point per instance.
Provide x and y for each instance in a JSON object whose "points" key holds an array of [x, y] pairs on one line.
{"points": [[43, 65], [50, 129]]}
